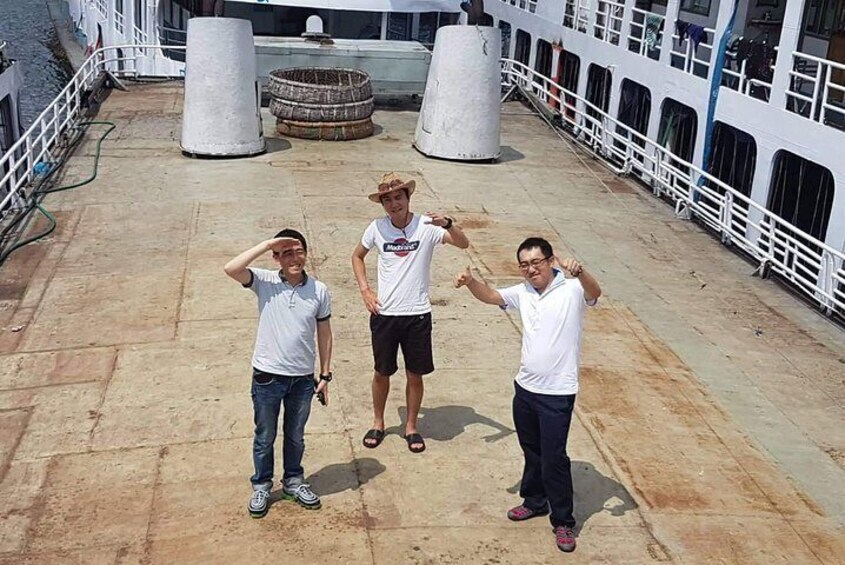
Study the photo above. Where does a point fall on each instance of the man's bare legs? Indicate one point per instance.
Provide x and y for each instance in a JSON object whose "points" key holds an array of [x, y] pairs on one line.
{"points": [[381, 388], [413, 399]]}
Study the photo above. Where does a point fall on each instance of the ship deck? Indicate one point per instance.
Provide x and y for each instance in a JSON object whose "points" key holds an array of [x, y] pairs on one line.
{"points": [[709, 424]]}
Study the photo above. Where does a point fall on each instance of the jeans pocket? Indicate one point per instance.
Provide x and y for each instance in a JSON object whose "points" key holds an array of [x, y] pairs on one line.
{"points": [[261, 378]]}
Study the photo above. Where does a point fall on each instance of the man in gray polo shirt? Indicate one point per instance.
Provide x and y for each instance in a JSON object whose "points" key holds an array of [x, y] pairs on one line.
{"points": [[292, 309]]}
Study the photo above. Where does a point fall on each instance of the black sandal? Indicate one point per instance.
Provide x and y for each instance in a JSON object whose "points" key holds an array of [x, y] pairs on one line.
{"points": [[375, 434], [415, 438]]}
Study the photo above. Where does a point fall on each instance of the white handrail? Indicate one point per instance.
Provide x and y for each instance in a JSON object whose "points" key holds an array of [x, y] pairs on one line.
{"points": [[814, 267], [52, 125], [818, 74]]}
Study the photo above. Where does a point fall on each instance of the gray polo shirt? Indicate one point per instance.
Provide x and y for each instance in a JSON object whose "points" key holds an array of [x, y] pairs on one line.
{"points": [[285, 343]]}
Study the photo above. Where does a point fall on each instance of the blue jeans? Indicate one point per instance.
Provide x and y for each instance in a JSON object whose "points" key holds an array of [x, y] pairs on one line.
{"points": [[542, 426], [296, 393]]}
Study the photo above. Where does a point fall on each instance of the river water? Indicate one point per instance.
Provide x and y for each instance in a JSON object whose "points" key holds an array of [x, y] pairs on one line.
{"points": [[31, 39]]}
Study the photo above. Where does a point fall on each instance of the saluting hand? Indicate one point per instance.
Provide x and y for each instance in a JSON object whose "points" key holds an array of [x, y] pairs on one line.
{"points": [[279, 244], [463, 279]]}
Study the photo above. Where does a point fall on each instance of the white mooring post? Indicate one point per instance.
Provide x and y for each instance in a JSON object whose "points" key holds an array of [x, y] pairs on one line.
{"points": [[221, 116], [461, 110]]}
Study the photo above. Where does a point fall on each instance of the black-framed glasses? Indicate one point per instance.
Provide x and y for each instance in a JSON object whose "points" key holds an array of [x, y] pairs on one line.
{"points": [[525, 265]]}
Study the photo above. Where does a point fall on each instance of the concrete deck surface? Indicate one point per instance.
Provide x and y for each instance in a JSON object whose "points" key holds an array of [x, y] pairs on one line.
{"points": [[709, 427]]}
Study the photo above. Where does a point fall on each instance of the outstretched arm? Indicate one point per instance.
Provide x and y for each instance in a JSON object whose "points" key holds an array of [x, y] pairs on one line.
{"points": [[478, 289], [592, 290], [454, 235]]}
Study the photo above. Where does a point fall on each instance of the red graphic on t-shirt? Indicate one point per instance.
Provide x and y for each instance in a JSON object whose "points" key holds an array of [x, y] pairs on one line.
{"points": [[401, 246]]}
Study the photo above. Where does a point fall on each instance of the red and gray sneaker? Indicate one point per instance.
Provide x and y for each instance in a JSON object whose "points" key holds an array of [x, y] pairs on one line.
{"points": [[521, 512], [565, 538]]}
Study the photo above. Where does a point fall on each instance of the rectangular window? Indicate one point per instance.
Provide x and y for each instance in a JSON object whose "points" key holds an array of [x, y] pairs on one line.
{"points": [[696, 6], [822, 17]]}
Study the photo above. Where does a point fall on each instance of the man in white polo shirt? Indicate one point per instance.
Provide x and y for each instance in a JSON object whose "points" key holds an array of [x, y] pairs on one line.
{"points": [[551, 307], [292, 309], [400, 315]]}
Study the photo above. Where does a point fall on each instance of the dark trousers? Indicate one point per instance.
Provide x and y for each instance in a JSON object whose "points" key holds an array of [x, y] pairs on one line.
{"points": [[542, 426]]}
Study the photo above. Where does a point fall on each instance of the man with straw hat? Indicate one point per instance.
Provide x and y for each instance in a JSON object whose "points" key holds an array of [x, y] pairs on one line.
{"points": [[400, 315]]}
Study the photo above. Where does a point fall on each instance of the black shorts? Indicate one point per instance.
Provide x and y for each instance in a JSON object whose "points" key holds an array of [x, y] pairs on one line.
{"points": [[413, 333]]}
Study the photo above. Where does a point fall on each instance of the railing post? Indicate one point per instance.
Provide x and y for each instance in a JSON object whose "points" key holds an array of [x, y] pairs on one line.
{"points": [[789, 39], [727, 218], [627, 17], [592, 7], [668, 30]]}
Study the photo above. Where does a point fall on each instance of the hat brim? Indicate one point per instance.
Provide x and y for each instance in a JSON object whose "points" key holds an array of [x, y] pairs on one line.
{"points": [[411, 185]]}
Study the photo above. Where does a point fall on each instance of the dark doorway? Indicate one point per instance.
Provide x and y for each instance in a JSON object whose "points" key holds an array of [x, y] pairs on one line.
{"points": [[802, 193], [733, 158], [635, 108], [599, 81], [505, 28], [733, 161], [523, 47], [543, 62], [678, 128], [568, 68]]}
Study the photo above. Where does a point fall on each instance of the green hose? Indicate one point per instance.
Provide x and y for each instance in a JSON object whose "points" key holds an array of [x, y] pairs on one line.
{"points": [[39, 194]]}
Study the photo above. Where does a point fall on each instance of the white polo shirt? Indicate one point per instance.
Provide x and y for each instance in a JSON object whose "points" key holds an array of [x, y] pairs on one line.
{"points": [[551, 334], [404, 263], [285, 343]]}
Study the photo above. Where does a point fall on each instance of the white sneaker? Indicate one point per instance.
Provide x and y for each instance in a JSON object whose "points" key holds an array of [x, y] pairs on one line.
{"points": [[302, 494], [259, 502]]}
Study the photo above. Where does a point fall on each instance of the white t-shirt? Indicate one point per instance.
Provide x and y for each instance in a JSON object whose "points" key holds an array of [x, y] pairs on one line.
{"points": [[404, 263], [551, 334], [285, 343]]}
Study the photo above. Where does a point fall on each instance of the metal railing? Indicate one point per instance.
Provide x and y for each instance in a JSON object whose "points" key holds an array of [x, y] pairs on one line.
{"points": [[685, 53], [576, 14], [738, 80], [811, 266], [119, 22], [608, 23], [5, 62], [170, 36], [139, 36], [639, 36], [31, 156], [817, 89]]}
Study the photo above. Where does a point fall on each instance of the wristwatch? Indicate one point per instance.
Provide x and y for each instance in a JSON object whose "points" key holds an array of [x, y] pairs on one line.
{"points": [[449, 222], [327, 378]]}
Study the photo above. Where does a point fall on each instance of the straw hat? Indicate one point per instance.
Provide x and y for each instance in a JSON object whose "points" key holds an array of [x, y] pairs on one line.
{"points": [[391, 183]]}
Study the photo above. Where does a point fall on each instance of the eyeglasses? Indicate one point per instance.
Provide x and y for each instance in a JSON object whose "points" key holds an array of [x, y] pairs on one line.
{"points": [[525, 265]]}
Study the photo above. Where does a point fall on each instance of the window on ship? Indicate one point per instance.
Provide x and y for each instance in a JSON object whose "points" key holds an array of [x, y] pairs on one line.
{"points": [[677, 131], [733, 161], [802, 193], [522, 53], [505, 27], [599, 82]]}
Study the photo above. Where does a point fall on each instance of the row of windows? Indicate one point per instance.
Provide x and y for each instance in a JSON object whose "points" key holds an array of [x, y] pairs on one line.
{"points": [[801, 192]]}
